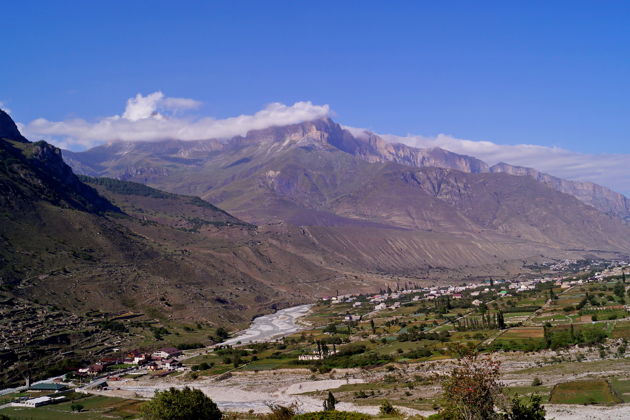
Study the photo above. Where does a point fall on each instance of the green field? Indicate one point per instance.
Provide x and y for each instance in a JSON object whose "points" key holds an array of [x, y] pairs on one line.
{"points": [[94, 408], [621, 387], [595, 391]]}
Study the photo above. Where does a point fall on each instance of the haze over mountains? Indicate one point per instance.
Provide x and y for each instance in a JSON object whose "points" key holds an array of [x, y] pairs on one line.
{"points": [[290, 173]]}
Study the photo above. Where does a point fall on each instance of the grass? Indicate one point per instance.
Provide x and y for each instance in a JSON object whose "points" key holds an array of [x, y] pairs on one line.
{"points": [[10, 397], [621, 330], [594, 391], [543, 391], [95, 408], [270, 364], [621, 387]]}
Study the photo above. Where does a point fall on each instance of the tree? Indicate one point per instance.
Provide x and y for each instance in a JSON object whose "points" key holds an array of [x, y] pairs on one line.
{"points": [[520, 410], [184, 404], [76, 407], [472, 389], [619, 289], [501, 321], [222, 333], [372, 326], [330, 402], [236, 360]]}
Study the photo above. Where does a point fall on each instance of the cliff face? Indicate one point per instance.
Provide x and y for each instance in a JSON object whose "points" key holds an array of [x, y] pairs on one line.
{"points": [[601, 198], [319, 174], [137, 161]]}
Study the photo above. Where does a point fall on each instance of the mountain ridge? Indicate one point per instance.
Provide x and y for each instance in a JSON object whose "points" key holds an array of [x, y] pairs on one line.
{"points": [[318, 173], [368, 146]]}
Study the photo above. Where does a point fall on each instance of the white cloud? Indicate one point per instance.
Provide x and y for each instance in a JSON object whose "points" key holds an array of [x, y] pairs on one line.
{"points": [[611, 170], [154, 117], [141, 107]]}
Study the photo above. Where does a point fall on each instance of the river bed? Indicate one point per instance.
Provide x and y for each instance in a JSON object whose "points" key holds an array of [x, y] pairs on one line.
{"points": [[272, 326]]}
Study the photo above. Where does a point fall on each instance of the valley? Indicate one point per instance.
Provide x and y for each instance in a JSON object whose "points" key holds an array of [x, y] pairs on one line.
{"points": [[392, 346], [362, 276]]}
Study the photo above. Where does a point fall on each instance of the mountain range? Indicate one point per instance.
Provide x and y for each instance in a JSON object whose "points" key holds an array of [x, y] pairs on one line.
{"points": [[319, 174], [84, 244]]}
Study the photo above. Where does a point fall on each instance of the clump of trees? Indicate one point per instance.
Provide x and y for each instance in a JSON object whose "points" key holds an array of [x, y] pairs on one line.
{"points": [[221, 334], [415, 333], [558, 337], [483, 322]]}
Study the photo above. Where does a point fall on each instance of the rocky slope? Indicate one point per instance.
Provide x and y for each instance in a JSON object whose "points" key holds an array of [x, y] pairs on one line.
{"points": [[318, 175], [129, 246], [601, 198], [121, 160]]}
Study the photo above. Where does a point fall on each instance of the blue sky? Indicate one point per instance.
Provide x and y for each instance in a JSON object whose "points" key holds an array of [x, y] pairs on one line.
{"points": [[509, 72]]}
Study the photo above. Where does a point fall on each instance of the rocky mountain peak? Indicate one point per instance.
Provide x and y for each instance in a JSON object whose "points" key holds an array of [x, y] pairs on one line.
{"points": [[8, 128], [38, 170]]}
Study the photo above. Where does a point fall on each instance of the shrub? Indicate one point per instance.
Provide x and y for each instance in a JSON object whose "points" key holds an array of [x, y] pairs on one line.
{"points": [[521, 410], [281, 412], [332, 415], [388, 409], [175, 404], [472, 388]]}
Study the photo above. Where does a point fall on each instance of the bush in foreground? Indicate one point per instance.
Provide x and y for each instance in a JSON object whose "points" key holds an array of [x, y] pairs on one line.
{"points": [[472, 389], [184, 404], [332, 415]]}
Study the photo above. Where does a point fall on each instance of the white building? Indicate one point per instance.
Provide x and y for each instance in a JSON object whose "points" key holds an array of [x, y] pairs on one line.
{"points": [[39, 401]]}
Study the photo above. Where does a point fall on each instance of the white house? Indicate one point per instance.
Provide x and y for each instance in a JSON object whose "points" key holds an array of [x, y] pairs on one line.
{"points": [[166, 353]]}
